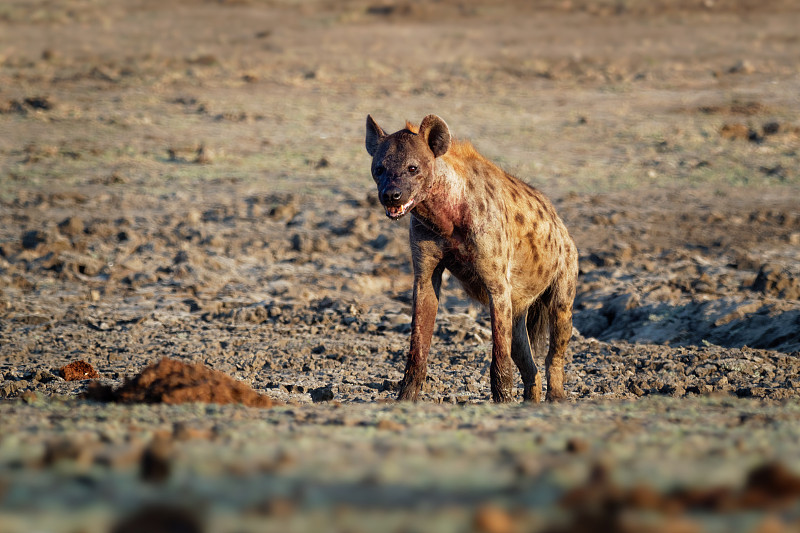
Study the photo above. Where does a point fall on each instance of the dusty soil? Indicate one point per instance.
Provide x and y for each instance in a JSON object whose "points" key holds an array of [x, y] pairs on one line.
{"points": [[188, 180]]}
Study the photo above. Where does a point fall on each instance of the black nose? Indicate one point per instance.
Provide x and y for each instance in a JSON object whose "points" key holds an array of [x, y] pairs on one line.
{"points": [[391, 195]]}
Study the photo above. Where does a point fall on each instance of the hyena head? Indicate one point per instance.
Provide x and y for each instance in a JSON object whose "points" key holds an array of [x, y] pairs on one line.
{"points": [[403, 162]]}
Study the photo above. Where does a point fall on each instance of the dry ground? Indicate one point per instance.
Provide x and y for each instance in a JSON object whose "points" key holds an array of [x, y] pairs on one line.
{"points": [[188, 179]]}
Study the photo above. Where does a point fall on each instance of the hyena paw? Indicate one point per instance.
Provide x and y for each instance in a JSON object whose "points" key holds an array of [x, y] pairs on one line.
{"points": [[408, 393], [556, 395], [532, 394], [502, 395]]}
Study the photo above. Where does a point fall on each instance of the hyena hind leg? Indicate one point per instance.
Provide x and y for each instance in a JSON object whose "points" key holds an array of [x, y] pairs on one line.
{"points": [[560, 317], [523, 358]]}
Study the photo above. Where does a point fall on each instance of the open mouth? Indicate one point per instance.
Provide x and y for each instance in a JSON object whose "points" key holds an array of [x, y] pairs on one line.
{"points": [[395, 212]]}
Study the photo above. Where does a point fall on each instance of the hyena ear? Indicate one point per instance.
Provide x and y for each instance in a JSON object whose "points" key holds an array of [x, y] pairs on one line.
{"points": [[436, 134], [374, 135]]}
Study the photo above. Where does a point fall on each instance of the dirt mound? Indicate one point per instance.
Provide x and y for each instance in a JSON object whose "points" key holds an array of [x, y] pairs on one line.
{"points": [[171, 381], [78, 370]]}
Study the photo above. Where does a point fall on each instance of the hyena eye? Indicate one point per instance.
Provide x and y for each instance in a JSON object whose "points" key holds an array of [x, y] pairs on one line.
{"points": [[379, 170], [413, 169]]}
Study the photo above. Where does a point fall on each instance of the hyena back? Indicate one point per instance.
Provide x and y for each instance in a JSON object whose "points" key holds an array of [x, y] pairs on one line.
{"points": [[501, 238]]}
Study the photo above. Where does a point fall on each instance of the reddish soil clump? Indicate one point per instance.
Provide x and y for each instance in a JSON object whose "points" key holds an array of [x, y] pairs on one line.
{"points": [[171, 381], [78, 370]]}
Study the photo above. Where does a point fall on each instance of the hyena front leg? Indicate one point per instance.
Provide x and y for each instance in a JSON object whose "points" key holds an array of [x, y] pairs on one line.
{"points": [[523, 358], [427, 284], [501, 371]]}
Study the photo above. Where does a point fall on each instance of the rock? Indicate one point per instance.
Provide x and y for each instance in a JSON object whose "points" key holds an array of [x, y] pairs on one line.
{"points": [[620, 304], [400, 322], [742, 66], [10, 389], [302, 243], [120, 456], [321, 394], [774, 280], [194, 217], [44, 103], [160, 518], [772, 482], [390, 386], [72, 226], [673, 389], [284, 211], [379, 242], [771, 128], [156, 462], [204, 156], [472, 386], [636, 389], [738, 131], [42, 376], [390, 425], [77, 447], [182, 431], [33, 238], [29, 397], [577, 445]]}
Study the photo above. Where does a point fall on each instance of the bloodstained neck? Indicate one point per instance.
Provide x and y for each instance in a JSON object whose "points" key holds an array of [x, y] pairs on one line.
{"points": [[444, 209]]}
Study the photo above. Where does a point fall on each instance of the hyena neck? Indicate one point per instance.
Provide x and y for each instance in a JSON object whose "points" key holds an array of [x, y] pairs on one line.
{"points": [[444, 209]]}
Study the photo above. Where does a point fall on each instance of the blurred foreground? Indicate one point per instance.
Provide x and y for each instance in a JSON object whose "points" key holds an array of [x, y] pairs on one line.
{"points": [[188, 180]]}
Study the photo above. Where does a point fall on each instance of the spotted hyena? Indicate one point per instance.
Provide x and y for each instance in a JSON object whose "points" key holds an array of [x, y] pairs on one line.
{"points": [[500, 237]]}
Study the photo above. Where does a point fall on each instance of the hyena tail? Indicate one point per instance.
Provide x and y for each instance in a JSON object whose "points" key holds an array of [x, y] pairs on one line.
{"points": [[538, 325]]}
